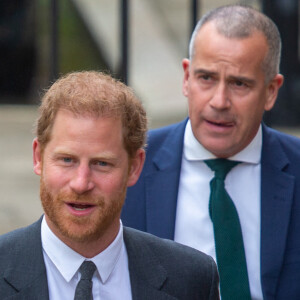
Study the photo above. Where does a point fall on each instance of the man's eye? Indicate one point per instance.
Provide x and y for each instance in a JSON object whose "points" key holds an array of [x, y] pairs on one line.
{"points": [[205, 77], [239, 83], [101, 163], [67, 159]]}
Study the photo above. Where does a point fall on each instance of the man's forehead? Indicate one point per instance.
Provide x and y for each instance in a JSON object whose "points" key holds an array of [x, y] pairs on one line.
{"points": [[215, 45], [213, 28]]}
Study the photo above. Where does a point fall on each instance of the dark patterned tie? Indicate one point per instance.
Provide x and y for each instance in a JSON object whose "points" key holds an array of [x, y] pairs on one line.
{"points": [[231, 260], [84, 287]]}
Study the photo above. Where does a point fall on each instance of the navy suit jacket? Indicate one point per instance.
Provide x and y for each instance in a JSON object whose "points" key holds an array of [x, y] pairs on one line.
{"points": [[151, 204], [159, 269]]}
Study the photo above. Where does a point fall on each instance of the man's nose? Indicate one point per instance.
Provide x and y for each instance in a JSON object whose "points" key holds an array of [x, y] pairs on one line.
{"points": [[220, 99], [81, 181]]}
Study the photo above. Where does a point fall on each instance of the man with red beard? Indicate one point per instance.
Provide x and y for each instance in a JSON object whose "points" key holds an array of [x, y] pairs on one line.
{"points": [[89, 148], [230, 79]]}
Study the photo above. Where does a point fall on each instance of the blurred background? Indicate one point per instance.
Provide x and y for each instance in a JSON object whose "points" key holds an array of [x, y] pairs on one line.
{"points": [[141, 42]]}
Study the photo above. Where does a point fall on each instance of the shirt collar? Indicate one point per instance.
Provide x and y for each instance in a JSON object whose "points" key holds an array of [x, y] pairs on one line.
{"points": [[193, 150], [67, 261]]}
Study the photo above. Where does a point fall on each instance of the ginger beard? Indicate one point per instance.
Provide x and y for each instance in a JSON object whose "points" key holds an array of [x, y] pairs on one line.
{"points": [[81, 229]]}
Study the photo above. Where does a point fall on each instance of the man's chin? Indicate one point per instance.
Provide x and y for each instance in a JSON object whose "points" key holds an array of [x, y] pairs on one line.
{"points": [[81, 236], [80, 232]]}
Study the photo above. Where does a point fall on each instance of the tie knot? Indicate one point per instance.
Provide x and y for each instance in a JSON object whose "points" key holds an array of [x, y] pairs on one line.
{"points": [[221, 166], [87, 270]]}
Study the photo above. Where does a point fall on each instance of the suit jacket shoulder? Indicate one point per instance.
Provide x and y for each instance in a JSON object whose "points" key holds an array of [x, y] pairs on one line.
{"points": [[22, 268], [289, 144], [165, 142], [163, 269]]}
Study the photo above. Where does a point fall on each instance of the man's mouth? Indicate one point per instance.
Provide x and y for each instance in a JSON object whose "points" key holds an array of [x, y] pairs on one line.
{"points": [[221, 124], [80, 207]]}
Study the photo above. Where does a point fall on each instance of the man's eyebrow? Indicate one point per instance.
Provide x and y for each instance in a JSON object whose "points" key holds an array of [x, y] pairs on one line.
{"points": [[242, 79], [231, 77], [108, 157], [61, 151], [204, 71]]}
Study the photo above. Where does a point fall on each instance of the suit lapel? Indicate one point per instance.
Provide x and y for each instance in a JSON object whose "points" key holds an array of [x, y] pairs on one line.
{"points": [[147, 275], [277, 188], [27, 271], [36, 290], [162, 181]]}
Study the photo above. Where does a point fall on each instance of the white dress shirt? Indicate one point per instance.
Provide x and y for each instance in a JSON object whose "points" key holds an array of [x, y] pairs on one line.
{"points": [[193, 224], [110, 281]]}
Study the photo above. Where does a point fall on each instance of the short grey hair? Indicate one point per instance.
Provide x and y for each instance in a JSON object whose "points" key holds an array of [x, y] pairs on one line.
{"points": [[239, 21]]}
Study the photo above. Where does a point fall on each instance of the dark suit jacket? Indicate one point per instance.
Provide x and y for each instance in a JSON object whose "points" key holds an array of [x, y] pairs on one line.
{"points": [[159, 269], [151, 204]]}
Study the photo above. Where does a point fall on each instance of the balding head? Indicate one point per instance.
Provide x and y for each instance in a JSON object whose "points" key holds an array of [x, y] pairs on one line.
{"points": [[240, 22]]}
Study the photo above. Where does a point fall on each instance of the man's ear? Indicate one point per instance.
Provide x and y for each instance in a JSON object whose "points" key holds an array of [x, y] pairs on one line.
{"points": [[186, 70], [136, 167], [37, 157], [272, 91]]}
